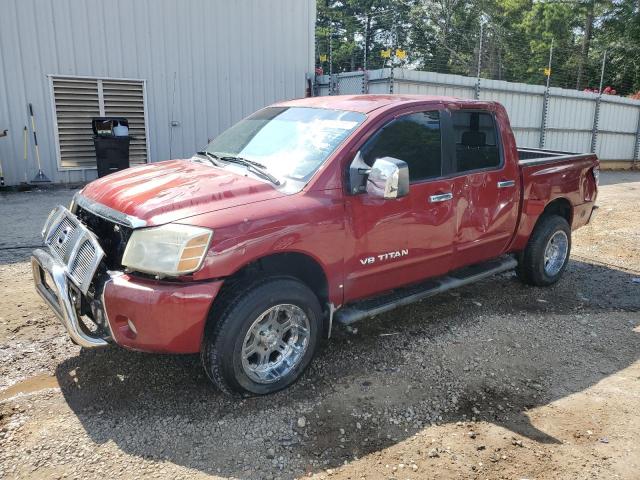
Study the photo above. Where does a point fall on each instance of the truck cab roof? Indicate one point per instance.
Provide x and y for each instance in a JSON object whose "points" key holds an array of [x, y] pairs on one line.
{"points": [[369, 103]]}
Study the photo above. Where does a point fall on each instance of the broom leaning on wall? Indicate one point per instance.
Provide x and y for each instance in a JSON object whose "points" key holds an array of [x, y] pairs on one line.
{"points": [[40, 176]]}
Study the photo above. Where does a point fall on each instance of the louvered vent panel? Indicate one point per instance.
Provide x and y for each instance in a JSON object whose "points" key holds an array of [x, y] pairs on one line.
{"points": [[126, 99], [76, 102]]}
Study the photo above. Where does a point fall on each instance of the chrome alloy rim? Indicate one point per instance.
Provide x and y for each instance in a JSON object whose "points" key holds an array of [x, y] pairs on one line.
{"points": [[555, 253], [275, 343]]}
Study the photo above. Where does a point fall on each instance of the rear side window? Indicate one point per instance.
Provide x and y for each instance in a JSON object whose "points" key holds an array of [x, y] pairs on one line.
{"points": [[476, 141], [414, 138]]}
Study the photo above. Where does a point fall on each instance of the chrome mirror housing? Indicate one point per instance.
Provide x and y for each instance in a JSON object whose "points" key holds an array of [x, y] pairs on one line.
{"points": [[388, 178]]}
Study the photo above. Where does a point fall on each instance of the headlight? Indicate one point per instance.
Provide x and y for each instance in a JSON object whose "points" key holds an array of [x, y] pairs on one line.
{"points": [[169, 250]]}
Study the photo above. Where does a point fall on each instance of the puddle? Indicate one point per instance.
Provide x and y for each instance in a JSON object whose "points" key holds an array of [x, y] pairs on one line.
{"points": [[30, 385]]}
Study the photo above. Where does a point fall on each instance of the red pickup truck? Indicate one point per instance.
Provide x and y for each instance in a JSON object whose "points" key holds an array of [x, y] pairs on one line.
{"points": [[307, 213]]}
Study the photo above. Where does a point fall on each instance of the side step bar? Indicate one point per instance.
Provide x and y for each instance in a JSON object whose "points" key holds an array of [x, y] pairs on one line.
{"points": [[404, 296]]}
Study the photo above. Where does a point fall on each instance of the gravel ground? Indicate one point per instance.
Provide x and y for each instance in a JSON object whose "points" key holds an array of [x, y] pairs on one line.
{"points": [[495, 380]]}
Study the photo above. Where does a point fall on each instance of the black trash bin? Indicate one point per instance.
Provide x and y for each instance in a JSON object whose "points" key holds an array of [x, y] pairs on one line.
{"points": [[112, 151]]}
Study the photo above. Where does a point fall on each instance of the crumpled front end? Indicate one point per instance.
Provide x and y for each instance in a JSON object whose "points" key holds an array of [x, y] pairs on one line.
{"points": [[64, 274], [79, 275]]}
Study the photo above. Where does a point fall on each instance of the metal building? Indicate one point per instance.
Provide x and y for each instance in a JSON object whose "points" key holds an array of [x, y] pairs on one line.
{"points": [[181, 71]]}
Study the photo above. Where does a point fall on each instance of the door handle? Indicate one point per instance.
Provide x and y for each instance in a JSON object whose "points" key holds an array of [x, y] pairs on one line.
{"points": [[506, 183], [440, 197]]}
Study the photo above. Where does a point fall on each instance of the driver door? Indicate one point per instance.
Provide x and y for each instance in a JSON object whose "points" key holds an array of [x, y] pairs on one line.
{"points": [[395, 242]]}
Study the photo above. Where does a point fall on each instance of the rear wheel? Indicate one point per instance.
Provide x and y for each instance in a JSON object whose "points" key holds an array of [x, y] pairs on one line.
{"points": [[547, 253], [264, 338]]}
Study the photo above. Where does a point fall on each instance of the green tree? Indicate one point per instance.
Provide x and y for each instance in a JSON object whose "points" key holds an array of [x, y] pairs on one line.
{"points": [[444, 36]]}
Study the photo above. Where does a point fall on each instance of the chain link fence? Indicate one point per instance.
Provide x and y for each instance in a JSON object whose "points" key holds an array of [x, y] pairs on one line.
{"points": [[541, 116]]}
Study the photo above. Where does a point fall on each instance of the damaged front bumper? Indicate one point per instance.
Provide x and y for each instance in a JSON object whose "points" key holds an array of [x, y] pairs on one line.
{"points": [[98, 307], [52, 283], [64, 273]]}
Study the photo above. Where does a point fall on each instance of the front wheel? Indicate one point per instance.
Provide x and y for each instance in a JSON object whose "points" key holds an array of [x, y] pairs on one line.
{"points": [[264, 338], [547, 253]]}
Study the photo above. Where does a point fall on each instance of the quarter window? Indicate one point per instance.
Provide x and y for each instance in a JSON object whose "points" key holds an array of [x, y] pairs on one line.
{"points": [[476, 141], [413, 138]]}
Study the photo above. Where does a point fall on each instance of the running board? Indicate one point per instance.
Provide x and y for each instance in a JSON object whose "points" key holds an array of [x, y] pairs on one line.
{"points": [[405, 296]]}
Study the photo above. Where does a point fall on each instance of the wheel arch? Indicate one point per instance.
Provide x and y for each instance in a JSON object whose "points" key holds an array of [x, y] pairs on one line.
{"points": [[559, 206], [298, 265]]}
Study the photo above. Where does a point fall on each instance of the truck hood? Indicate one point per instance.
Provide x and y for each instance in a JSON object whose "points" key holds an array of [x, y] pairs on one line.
{"points": [[176, 189]]}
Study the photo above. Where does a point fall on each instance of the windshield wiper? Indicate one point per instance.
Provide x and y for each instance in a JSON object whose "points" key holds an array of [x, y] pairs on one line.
{"points": [[255, 167], [209, 156]]}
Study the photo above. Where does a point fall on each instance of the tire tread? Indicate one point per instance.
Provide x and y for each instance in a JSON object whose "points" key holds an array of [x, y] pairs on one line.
{"points": [[528, 269], [222, 319]]}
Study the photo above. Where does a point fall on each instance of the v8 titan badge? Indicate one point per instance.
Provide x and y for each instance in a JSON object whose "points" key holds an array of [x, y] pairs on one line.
{"points": [[383, 257]]}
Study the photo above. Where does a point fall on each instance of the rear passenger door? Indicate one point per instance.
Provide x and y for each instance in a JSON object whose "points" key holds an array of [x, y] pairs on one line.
{"points": [[485, 188]]}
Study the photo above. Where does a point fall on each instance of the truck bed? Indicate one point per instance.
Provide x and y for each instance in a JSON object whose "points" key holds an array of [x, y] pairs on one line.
{"points": [[537, 156]]}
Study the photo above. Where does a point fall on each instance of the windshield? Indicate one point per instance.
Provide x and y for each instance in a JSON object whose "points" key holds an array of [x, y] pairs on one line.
{"points": [[289, 142]]}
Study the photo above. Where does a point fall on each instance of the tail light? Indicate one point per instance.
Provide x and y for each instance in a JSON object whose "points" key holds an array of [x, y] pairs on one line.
{"points": [[596, 174]]}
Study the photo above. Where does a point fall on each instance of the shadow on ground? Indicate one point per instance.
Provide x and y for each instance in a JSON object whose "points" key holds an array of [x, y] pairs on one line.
{"points": [[489, 351]]}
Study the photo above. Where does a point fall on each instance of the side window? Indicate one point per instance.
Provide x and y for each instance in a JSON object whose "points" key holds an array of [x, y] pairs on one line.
{"points": [[476, 140], [414, 138]]}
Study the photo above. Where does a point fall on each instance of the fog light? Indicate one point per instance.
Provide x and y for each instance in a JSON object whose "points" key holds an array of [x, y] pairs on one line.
{"points": [[132, 327]]}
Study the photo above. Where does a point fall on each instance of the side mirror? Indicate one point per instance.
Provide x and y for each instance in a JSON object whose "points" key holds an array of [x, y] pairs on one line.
{"points": [[388, 178]]}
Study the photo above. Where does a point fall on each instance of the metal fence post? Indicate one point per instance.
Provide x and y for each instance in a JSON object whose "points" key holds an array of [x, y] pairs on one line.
{"points": [[545, 101], [391, 81], [636, 147], [594, 129], [596, 114], [365, 81], [545, 113], [334, 84], [477, 88]]}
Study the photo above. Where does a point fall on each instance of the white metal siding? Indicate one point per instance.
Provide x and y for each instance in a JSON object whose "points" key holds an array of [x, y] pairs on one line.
{"points": [[228, 58]]}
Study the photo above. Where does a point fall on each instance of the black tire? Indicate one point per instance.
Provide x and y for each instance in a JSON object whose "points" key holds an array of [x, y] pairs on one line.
{"points": [[224, 336], [531, 262]]}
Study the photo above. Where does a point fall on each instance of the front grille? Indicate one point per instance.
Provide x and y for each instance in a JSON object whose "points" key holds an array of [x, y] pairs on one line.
{"points": [[112, 237], [62, 239], [74, 245], [82, 264]]}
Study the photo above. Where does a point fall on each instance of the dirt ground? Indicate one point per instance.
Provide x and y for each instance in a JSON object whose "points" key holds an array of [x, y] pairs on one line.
{"points": [[493, 381]]}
